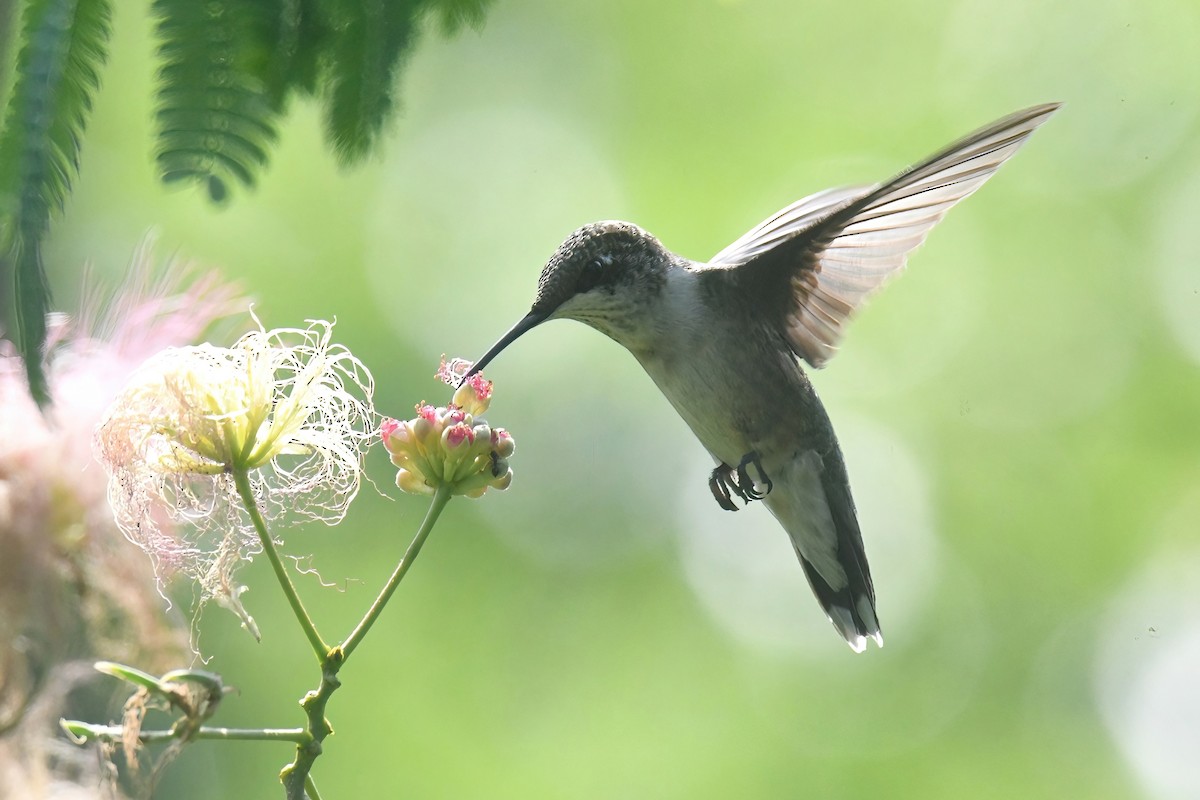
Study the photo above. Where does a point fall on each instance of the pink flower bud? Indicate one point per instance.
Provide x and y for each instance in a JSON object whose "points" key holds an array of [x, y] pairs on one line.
{"points": [[396, 434], [474, 395], [445, 446], [455, 436]]}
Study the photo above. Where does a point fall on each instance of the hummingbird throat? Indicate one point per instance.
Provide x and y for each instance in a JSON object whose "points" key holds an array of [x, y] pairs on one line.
{"points": [[726, 482]]}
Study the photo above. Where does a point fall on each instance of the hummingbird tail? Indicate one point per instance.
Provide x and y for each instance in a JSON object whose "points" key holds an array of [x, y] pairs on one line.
{"points": [[812, 501], [851, 609]]}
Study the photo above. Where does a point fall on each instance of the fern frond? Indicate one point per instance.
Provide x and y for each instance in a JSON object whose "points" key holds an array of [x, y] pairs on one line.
{"points": [[371, 39], [64, 44], [215, 117]]}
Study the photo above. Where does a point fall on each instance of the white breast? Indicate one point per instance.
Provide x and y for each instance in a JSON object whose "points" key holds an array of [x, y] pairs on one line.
{"points": [[687, 363]]}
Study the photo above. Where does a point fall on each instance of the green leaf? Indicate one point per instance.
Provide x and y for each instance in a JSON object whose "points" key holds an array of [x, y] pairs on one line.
{"points": [[32, 292], [130, 675], [216, 117], [210, 681], [64, 43], [454, 14], [281, 45], [371, 39], [294, 37]]}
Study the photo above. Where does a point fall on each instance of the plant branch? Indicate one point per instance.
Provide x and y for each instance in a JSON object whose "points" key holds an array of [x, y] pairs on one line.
{"points": [[242, 480], [86, 731], [295, 776], [440, 498]]}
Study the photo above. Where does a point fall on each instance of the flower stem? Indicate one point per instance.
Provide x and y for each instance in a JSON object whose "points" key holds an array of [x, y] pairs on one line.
{"points": [[295, 776], [242, 480], [440, 498]]}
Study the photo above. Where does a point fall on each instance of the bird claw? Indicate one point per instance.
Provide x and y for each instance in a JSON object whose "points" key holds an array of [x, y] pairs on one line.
{"points": [[747, 487], [726, 482], [722, 485]]}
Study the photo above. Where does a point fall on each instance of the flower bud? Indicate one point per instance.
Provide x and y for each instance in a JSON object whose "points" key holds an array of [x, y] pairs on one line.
{"points": [[395, 434], [423, 429], [483, 438], [502, 443], [412, 483], [456, 436], [446, 445], [474, 395]]}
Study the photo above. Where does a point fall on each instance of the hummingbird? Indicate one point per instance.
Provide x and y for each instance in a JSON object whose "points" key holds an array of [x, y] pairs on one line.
{"points": [[724, 339]]}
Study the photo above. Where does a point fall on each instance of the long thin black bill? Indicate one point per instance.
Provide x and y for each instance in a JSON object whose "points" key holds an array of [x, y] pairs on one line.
{"points": [[530, 320]]}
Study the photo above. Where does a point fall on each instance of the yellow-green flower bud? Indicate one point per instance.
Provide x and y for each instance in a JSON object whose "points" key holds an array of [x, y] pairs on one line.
{"points": [[474, 395], [447, 445], [412, 483]]}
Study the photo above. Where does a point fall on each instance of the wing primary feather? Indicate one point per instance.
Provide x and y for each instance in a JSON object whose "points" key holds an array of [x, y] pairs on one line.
{"points": [[833, 249]]}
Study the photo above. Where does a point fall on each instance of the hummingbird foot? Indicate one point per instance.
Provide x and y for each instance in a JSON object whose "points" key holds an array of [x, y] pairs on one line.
{"points": [[723, 486], [726, 482], [747, 487]]}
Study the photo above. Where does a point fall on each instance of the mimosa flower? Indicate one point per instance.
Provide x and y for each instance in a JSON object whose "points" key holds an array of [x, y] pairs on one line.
{"points": [[286, 407], [71, 588], [448, 445]]}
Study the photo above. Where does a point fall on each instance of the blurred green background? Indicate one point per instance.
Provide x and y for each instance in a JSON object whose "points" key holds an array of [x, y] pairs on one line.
{"points": [[1019, 412]]}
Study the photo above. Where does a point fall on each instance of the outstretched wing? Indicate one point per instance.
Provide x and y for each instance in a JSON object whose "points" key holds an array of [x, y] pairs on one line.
{"points": [[833, 249]]}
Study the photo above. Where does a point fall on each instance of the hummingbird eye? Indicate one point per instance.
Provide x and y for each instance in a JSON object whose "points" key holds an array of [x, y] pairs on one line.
{"points": [[591, 275]]}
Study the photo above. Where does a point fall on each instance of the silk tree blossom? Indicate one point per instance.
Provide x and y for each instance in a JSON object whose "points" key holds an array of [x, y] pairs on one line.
{"points": [[285, 407], [71, 589], [448, 445]]}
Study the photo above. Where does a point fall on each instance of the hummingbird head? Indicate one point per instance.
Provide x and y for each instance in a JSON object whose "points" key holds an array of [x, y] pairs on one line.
{"points": [[607, 274]]}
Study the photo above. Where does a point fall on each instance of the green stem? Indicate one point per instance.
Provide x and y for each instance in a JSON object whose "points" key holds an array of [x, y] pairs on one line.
{"points": [[242, 480], [310, 787], [116, 732], [295, 776], [440, 498]]}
